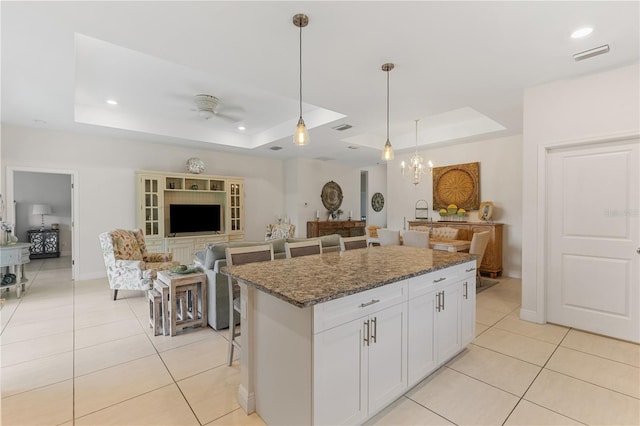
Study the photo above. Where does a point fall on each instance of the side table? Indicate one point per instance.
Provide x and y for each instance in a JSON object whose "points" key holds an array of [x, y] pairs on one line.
{"points": [[174, 282], [13, 257]]}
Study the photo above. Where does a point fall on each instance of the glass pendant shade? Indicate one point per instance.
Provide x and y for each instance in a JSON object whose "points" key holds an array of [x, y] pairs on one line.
{"points": [[387, 152], [301, 137]]}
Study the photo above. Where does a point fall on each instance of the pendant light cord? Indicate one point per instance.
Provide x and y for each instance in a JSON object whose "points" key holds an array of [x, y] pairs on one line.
{"points": [[300, 71], [388, 105]]}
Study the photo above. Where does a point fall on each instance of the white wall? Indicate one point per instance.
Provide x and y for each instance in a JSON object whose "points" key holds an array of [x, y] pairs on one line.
{"points": [[305, 179], [591, 108], [500, 181], [107, 186], [377, 176]]}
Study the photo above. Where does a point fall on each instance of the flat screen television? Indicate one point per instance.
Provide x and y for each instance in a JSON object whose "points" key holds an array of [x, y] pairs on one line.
{"points": [[190, 218]]}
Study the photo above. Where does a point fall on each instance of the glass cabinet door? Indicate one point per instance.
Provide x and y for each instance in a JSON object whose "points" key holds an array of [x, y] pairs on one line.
{"points": [[236, 207], [151, 191]]}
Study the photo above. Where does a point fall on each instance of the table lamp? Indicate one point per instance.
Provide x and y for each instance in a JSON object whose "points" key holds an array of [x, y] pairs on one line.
{"points": [[41, 209]]}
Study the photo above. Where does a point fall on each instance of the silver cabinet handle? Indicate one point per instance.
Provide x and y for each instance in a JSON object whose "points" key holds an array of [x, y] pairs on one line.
{"points": [[440, 279], [470, 270], [364, 305], [366, 333], [374, 334], [443, 300], [466, 290], [438, 302]]}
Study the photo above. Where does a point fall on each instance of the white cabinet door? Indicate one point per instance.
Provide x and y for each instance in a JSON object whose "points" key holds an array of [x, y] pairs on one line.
{"points": [[421, 344], [468, 311], [182, 251], [339, 366], [448, 321], [387, 356]]}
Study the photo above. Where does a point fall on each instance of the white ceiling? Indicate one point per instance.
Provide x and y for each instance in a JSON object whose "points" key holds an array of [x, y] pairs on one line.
{"points": [[460, 67]]}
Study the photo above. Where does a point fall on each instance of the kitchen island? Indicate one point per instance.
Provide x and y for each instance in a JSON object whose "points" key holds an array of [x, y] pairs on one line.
{"points": [[335, 338]]}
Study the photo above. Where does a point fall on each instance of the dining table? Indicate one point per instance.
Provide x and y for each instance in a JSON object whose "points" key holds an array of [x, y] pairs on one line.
{"points": [[450, 245]]}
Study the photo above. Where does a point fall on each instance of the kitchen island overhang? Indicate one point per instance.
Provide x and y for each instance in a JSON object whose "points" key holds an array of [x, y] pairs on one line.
{"points": [[291, 308]]}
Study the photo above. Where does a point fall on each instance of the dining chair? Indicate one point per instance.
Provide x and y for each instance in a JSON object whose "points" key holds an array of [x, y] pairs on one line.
{"points": [[389, 237], [241, 256], [479, 243], [371, 232], [416, 239], [445, 233], [302, 248], [350, 243]]}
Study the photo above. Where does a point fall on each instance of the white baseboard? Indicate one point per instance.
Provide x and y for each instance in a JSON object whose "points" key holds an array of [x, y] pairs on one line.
{"points": [[91, 276], [247, 401]]}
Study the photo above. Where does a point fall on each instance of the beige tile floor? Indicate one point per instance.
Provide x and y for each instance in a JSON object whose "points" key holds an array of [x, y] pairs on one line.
{"points": [[69, 355]]}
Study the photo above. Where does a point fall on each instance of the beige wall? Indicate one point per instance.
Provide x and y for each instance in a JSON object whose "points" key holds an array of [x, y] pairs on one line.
{"points": [[597, 107], [500, 181]]}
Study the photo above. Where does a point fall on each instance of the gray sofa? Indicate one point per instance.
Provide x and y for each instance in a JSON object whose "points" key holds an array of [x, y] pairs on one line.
{"points": [[213, 258]]}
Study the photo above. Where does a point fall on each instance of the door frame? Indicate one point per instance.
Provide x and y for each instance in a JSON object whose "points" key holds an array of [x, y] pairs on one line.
{"points": [[544, 151], [75, 210]]}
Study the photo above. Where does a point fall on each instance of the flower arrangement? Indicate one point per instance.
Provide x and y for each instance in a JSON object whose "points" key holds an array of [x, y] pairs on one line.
{"points": [[6, 226]]}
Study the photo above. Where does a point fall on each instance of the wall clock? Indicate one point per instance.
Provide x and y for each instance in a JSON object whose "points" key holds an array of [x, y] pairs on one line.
{"points": [[377, 202]]}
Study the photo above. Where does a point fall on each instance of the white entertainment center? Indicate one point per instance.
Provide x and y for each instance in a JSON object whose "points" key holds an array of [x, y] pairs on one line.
{"points": [[157, 191]]}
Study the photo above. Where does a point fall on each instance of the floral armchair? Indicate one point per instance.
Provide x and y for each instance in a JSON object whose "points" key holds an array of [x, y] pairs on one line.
{"points": [[276, 231], [129, 265]]}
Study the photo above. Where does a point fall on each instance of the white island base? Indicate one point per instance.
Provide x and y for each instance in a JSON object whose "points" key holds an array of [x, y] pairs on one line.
{"points": [[343, 361]]}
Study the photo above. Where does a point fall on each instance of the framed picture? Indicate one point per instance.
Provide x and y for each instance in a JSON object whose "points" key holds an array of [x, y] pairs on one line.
{"points": [[458, 184], [486, 210]]}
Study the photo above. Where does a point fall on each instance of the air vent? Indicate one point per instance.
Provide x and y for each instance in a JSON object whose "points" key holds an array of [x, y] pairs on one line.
{"points": [[591, 53], [353, 147], [342, 127], [275, 148], [324, 159]]}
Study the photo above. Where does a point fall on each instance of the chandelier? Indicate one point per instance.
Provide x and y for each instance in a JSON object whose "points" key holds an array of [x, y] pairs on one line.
{"points": [[416, 167]]}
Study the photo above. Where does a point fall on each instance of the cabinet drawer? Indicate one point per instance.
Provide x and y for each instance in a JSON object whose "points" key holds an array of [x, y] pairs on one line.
{"points": [[336, 312], [432, 280]]}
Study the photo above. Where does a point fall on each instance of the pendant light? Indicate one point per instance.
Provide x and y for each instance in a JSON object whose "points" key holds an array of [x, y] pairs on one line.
{"points": [[301, 137], [387, 152]]}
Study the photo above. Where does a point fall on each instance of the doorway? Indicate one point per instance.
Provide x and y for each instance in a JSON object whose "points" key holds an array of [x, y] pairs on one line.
{"points": [[55, 189], [593, 234]]}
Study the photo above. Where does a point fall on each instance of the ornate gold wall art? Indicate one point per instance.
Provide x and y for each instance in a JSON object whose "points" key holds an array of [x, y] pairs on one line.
{"points": [[331, 196], [458, 184]]}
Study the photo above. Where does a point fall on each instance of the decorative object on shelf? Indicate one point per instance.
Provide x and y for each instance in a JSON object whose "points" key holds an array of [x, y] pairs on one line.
{"points": [[5, 233], [485, 212], [377, 202], [195, 165], [335, 214], [387, 152], [458, 184], [422, 209], [416, 167], [301, 137], [331, 196], [42, 210], [194, 187]]}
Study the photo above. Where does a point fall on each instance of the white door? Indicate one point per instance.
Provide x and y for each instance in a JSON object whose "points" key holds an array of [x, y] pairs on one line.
{"points": [[593, 233]]}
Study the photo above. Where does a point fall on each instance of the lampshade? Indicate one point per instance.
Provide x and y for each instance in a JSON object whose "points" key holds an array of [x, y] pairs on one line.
{"points": [[300, 136], [41, 209]]}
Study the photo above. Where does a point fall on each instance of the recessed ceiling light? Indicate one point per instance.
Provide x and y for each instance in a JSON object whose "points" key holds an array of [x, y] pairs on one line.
{"points": [[242, 128], [582, 32], [112, 102]]}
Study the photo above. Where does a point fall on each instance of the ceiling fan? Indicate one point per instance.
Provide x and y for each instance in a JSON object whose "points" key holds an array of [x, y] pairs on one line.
{"points": [[208, 106]]}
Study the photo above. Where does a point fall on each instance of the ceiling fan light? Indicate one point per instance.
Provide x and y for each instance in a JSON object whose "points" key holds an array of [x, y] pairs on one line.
{"points": [[300, 136], [206, 114]]}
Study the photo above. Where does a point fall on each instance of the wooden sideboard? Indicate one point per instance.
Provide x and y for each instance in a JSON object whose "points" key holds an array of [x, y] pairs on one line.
{"points": [[492, 260], [346, 228]]}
